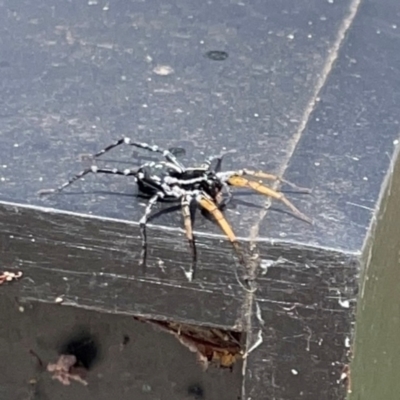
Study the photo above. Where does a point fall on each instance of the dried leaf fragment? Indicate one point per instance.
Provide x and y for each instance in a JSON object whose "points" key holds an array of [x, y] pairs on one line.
{"points": [[65, 370], [212, 346], [7, 276]]}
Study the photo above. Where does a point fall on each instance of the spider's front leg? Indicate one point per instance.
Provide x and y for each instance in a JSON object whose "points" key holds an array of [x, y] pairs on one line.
{"points": [[271, 177], [209, 205], [154, 148], [235, 178], [222, 201], [207, 164], [187, 220]]}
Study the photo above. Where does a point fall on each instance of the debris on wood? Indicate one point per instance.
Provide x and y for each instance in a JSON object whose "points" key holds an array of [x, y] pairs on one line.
{"points": [[65, 369], [7, 276], [345, 378], [217, 347]]}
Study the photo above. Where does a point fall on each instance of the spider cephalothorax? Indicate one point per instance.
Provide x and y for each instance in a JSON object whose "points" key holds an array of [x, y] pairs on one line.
{"points": [[171, 180]]}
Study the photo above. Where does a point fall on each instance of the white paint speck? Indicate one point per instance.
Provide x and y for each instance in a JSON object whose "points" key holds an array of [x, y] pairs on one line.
{"points": [[294, 372], [394, 26], [330, 1], [144, 105], [21, 309], [282, 234], [355, 158], [290, 36], [4, 165], [40, 179], [309, 36], [189, 275], [317, 164], [123, 78], [201, 42], [256, 115], [344, 303], [16, 145], [365, 178], [65, 278], [2, 179], [33, 240], [59, 300], [163, 70], [347, 342], [395, 142], [265, 264], [106, 7]]}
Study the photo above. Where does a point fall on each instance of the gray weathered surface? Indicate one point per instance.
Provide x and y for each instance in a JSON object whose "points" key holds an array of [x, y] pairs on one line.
{"points": [[308, 90]]}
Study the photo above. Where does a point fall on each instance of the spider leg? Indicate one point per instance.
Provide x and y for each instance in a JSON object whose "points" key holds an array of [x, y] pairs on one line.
{"points": [[225, 201], [187, 219], [264, 175], [218, 165], [154, 148], [208, 204], [94, 170], [239, 181], [142, 225], [209, 161]]}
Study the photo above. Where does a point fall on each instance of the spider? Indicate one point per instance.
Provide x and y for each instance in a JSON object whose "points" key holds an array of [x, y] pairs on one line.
{"points": [[171, 180]]}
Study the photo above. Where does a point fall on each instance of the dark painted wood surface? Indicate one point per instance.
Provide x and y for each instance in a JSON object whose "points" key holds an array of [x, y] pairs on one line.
{"points": [[307, 90], [127, 359]]}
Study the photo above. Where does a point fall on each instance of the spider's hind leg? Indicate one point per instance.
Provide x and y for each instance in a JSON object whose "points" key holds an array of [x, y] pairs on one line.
{"points": [[93, 169], [154, 148]]}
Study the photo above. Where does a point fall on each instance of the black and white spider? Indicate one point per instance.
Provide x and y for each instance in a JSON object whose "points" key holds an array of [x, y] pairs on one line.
{"points": [[171, 180]]}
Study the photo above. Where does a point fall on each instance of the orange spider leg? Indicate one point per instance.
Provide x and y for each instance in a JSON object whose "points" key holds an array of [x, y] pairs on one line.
{"points": [[212, 208], [236, 180], [271, 177]]}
